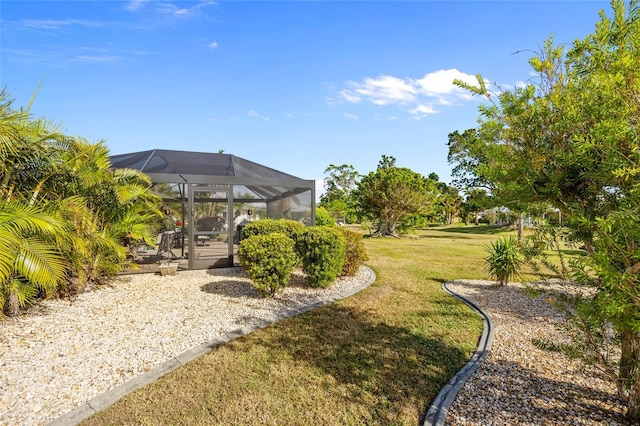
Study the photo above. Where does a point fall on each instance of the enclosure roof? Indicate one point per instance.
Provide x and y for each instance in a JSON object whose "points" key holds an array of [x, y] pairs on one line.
{"points": [[169, 166]]}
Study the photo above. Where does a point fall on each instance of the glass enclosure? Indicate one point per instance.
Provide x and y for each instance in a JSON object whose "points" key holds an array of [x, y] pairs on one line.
{"points": [[205, 212]]}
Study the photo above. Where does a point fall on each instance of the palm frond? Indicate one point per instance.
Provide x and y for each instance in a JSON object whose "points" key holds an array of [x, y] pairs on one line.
{"points": [[21, 219], [41, 264], [9, 244]]}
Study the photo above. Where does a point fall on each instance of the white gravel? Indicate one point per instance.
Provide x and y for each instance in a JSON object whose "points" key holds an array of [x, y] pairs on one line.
{"points": [[520, 384], [64, 353]]}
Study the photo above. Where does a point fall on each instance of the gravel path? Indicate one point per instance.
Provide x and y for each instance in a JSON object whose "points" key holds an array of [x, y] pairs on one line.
{"points": [[63, 353], [520, 384]]}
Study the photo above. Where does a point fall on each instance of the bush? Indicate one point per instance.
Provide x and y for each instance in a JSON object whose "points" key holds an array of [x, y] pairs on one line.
{"points": [[268, 226], [504, 259], [413, 221], [355, 253], [323, 218], [268, 260], [322, 249]]}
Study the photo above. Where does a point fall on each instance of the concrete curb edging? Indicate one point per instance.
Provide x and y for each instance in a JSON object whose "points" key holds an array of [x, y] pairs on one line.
{"points": [[437, 414], [110, 397]]}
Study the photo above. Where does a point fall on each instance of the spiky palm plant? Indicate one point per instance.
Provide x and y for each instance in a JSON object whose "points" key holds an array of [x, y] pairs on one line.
{"points": [[504, 259]]}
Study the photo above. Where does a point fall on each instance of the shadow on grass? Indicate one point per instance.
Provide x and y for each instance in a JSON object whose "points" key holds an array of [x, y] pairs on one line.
{"points": [[480, 230], [389, 370], [437, 279], [445, 237]]}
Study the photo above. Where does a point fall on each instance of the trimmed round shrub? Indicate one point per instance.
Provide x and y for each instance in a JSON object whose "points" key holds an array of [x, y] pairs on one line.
{"points": [[269, 226], [268, 260], [323, 218], [322, 251], [355, 253]]}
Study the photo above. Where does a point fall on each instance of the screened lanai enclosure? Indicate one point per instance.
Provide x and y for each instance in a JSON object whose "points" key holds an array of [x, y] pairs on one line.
{"points": [[208, 198]]}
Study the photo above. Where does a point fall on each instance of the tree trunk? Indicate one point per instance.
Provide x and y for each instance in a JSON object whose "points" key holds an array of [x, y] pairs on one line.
{"points": [[633, 405], [386, 228], [629, 373], [520, 228], [14, 303]]}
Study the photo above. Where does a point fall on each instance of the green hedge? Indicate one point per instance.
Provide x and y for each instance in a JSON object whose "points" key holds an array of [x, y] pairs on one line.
{"points": [[269, 261], [322, 249], [355, 253], [268, 226], [323, 218]]}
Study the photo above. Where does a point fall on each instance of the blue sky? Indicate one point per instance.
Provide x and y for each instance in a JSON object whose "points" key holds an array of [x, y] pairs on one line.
{"points": [[296, 86]]}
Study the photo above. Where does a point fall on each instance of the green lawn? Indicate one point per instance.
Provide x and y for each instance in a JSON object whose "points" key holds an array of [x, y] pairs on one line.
{"points": [[379, 357]]}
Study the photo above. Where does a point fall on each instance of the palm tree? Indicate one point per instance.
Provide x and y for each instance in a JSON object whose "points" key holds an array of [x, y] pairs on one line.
{"points": [[103, 206], [60, 199], [28, 262]]}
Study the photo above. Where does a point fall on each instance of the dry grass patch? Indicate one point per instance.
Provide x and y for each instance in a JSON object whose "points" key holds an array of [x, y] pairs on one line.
{"points": [[379, 357]]}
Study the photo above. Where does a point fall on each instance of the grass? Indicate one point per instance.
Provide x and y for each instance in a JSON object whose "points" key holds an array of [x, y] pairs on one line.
{"points": [[379, 357], [478, 229]]}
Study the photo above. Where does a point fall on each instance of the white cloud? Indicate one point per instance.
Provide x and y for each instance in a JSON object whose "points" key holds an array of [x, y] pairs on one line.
{"points": [[168, 8], [417, 96], [440, 83], [135, 4], [94, 59], [97, 59], [383, 90], [347, 96], [171, 9], [254, 114], [212, 45], [350, 116], [422, 111], [56, 24]]}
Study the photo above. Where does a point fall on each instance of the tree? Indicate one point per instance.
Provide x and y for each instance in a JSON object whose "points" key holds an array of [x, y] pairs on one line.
{"points": [[479, 165], [570, 139], [387, 162], [339, 186], [476, 202], [103, 206], [448, 201], [60, 199], [30, 261], [390, 193]]}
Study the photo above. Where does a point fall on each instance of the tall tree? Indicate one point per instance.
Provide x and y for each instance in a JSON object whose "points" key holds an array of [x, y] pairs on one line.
{"points": [[339, 187], [449, 202], [476, 202], [478, 165], [391, 192], [571, 140]]}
